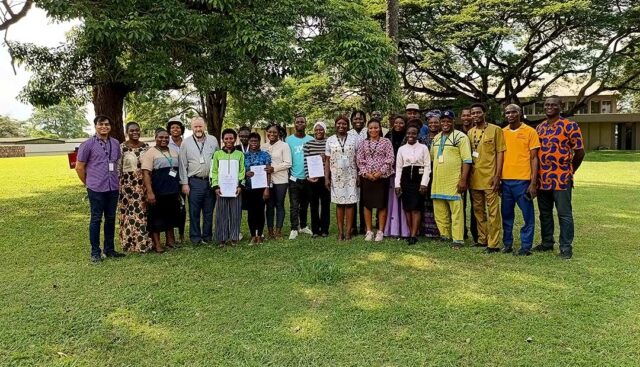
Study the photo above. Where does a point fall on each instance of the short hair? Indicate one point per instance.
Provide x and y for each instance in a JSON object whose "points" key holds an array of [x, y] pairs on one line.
{"points": [[175, 122], [198, 118], [159, 130], [466, 108], [300, 114], [342, 117], [417, 123], [479, 105], [129, 124], [255, 135], [361, 112], [102, 118], [229, 131], [513, 105], [244, 128], [412, 127], [556, 97]]}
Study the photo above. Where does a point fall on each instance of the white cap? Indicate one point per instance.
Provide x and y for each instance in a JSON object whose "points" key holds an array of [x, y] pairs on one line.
{"points": [[321, 124], [412, 106], [175, 118]]}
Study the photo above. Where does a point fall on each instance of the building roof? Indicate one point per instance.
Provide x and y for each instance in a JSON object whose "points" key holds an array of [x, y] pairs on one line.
{"points": [[14, 141]]}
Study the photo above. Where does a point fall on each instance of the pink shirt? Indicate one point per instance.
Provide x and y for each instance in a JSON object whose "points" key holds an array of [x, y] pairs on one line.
{"points": [[375, 156]]}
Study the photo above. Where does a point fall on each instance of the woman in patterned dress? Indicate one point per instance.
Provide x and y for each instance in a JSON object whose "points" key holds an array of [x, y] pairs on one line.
{"points": [[341, 174], [134, 236], [375, 160], [429, 227]]}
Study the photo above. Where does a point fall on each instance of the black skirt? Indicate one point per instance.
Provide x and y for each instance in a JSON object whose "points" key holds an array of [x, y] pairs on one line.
{"points": [[410, 184], [164, 214], [374, 193]]}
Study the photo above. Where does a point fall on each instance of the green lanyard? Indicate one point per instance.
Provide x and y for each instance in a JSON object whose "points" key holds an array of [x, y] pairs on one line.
{"points": [[169, 158]]}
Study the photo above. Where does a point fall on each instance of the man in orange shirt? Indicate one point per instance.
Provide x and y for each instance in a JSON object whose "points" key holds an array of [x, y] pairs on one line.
{"points": [[561, 153], [519, 173]]}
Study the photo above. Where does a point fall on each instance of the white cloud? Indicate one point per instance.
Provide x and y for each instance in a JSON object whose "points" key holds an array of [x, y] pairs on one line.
{"points": [[36, 28]]}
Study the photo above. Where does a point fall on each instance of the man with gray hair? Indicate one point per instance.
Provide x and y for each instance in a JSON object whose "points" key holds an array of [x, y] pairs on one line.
{"points": [[519, 173], [195, 165]]}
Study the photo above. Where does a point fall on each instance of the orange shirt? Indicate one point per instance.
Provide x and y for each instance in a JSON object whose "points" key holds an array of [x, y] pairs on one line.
{"points": [[517, 158], [557, 143]]}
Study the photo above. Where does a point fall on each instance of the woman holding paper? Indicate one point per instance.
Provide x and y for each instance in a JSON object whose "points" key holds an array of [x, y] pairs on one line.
{"points": [[341, 174], [375, 164], [280, 163], [256, 162], [227, 179], [320, 202], [160, 175]]}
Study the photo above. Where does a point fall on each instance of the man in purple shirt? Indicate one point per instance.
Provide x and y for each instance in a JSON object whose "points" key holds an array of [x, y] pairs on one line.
{"points": [[97, 168]]}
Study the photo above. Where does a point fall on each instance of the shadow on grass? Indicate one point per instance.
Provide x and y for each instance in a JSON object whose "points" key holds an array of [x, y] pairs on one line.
{"points": [[612, 156]]}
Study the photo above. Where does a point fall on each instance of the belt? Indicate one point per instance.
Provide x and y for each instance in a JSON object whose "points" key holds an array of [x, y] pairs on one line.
{"points": [[200, 178]]}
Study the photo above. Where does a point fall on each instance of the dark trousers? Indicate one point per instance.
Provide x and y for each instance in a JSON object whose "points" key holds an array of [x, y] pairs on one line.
{"points": [[298, 203], [275, 206], [182, 215], [255, 210], [202, 201], [562, 201], [514, 193], [102, 204], [363, 226], [320, 204], [474, 225]]}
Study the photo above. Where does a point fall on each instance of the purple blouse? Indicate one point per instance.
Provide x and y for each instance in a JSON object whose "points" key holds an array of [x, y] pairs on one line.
{"points": [[375, 156]]}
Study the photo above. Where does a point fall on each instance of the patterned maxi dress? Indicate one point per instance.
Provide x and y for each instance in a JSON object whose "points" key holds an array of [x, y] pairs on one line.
{"points": [[344, 172], [429, 227], [132, 207]]}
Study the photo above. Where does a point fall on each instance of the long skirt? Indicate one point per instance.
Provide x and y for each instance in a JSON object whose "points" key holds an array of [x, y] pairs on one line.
{"points": [[134, 235], [163, 215], [396, 225], [429, 227]]}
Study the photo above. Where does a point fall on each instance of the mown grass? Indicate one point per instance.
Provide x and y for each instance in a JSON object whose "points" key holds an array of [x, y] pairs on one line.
{"points": [[319, 302]]}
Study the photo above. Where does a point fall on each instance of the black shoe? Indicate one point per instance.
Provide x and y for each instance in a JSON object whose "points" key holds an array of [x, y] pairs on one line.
{"points": [[542, 248], [522, 253], [491, 250], [476, 244], [115, 254], [507, 250], [456, 246], [566, 255], [412, 241], [96, 259]]}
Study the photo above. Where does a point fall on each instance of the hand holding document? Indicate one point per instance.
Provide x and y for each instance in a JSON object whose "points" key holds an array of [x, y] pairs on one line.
{"points": [[315, 166], [228, 177], [259, 178]]}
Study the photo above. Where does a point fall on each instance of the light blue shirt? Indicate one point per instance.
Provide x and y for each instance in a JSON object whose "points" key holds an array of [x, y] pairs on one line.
{"points": [[297, 154]]}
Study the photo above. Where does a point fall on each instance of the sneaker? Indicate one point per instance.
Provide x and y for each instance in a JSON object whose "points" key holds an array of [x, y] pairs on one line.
{"points": [[96, 259], [507, 250], [522, 253], [306, 230], [293, 235], [368, 236], [542, 248], [379, 236], [114, 254], [491, 250]]}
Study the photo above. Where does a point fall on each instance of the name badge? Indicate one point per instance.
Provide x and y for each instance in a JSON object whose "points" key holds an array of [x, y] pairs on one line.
{"points": [[441, 159], [201, 160], [112, 167], [291, 178], [343, 161], [420, 171], [173, 172], [475, 154]]}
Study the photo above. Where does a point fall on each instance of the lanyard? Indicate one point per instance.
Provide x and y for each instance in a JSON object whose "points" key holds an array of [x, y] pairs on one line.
{"points": [[200, 149], [244, 150], [443, 140], [104, 147], [373, 151], [169, 158], [342, 142]]}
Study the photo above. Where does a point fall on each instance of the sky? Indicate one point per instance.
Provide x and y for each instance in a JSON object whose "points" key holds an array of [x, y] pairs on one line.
{"points": [[36, 28]]}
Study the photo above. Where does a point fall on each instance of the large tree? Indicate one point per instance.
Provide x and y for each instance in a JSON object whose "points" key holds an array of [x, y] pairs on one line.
{"points": [[496, 51], [12, 11], [11, 128], [220, 47], [64, 120]]}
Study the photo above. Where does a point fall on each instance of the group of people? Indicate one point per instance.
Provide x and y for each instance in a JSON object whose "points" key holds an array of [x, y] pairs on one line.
{"points": [[417, 176]]}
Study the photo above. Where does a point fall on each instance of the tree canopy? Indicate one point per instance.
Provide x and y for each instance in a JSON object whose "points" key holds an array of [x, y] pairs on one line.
{"points": [[63, 120]]}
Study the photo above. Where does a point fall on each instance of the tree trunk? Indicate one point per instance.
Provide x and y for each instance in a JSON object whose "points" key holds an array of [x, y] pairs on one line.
{"points": [[393, 11], [108, 100], [214, 110]]}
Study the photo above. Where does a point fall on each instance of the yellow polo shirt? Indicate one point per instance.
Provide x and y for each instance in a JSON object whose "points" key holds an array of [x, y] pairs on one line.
{"points": [[485, 145], [517, 159]]}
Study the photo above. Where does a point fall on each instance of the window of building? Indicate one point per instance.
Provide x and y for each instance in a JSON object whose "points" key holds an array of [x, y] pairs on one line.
{"points": [[595, 107], [606, 107], [583, 110], [528, 109], [539, 108]]}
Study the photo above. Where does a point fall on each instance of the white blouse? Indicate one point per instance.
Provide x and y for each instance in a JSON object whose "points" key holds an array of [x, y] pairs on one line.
{"points": [[413, 155], [280, 160]]}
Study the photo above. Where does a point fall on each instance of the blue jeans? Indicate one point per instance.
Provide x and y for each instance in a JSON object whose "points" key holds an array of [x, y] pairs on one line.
{"points": [[562, 201], [276, 205], [102, 203], [514, 192], [202, 200]]}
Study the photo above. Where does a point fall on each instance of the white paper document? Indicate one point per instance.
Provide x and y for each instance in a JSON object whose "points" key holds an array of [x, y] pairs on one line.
{"points": [[315, 166], [228, 177], [259, 178]]}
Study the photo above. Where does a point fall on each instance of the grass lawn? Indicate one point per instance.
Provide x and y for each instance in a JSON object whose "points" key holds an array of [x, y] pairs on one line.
{"points": [[320, 302]]}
